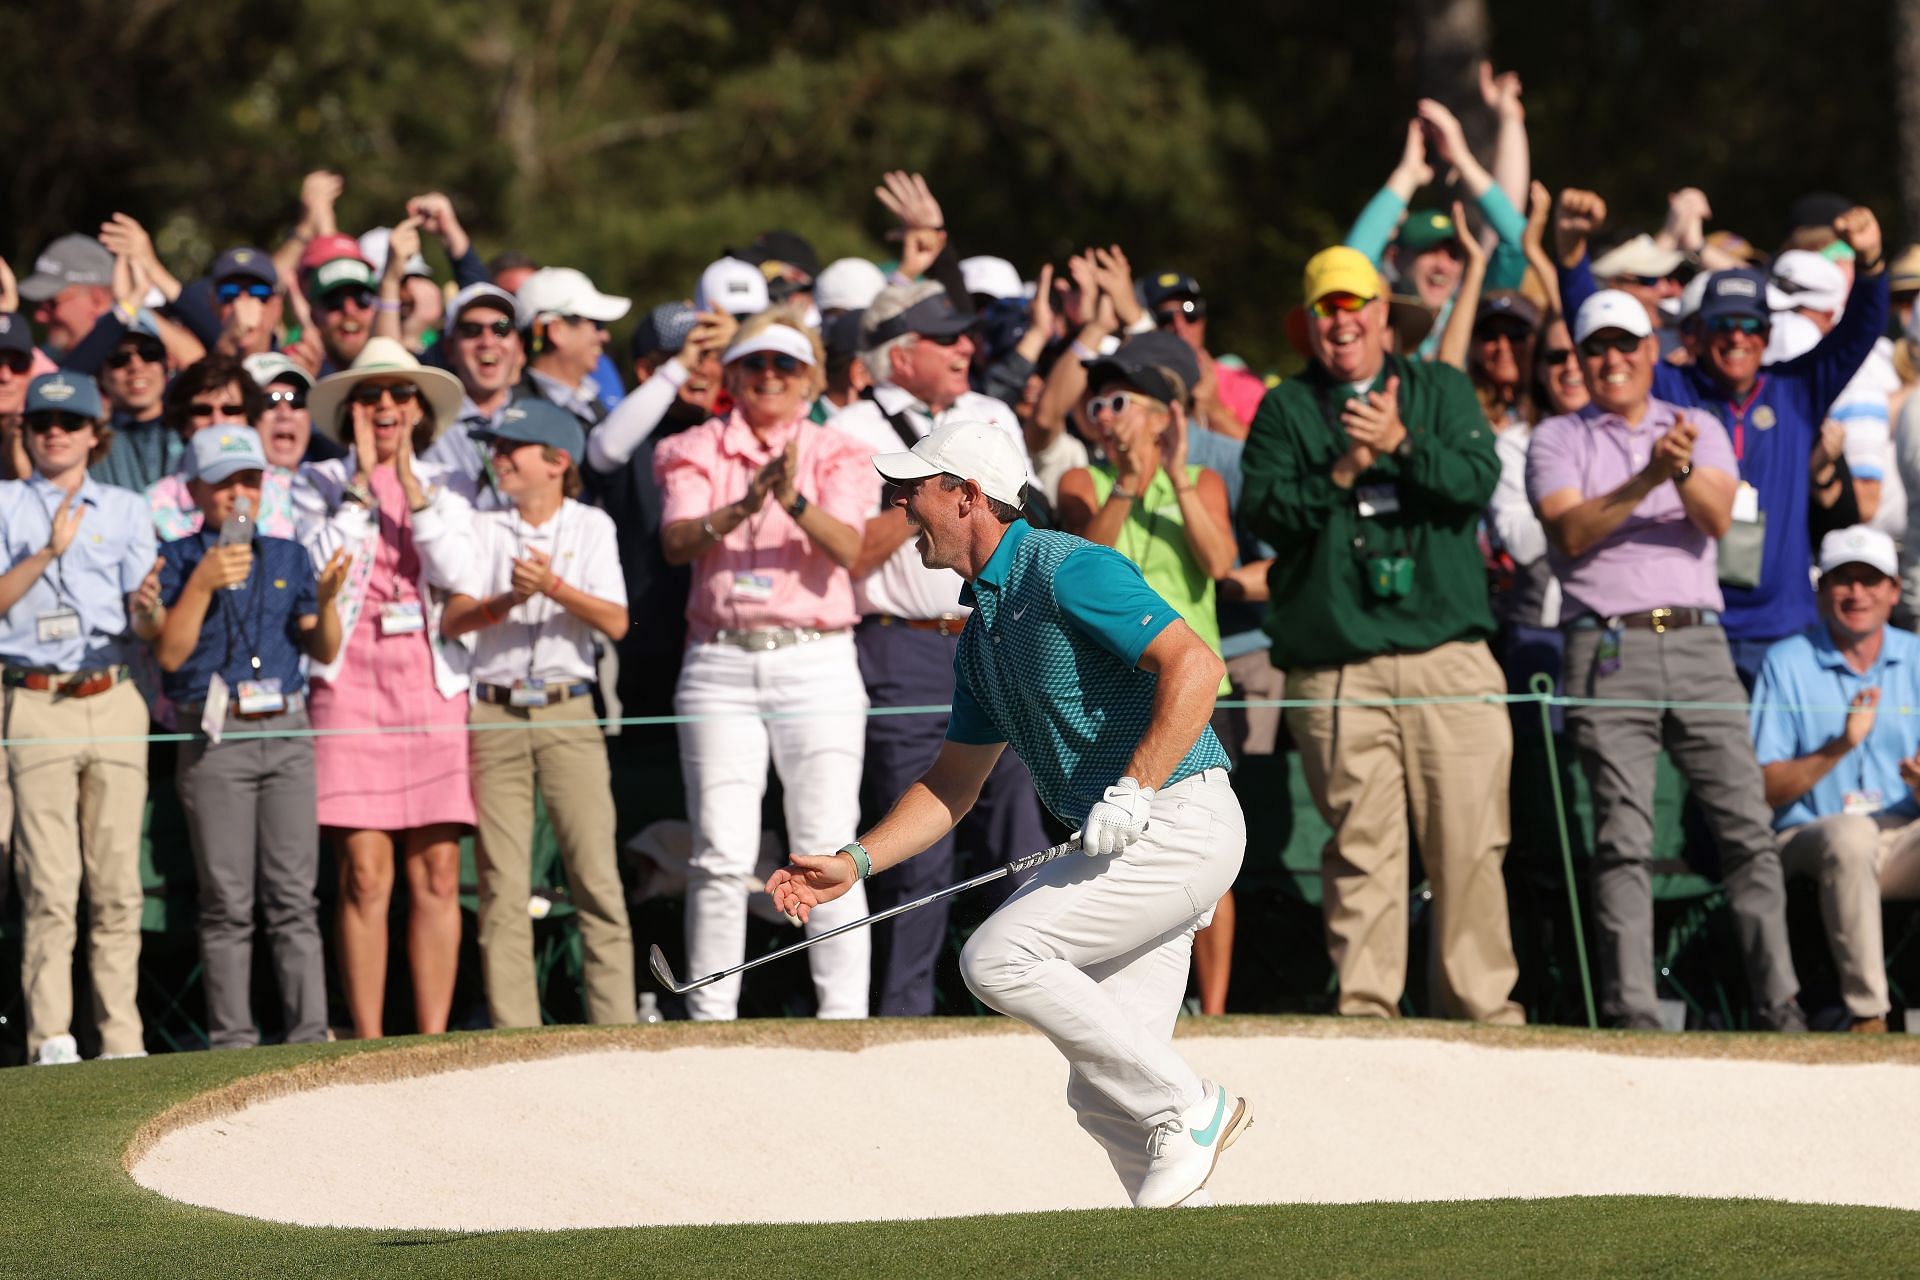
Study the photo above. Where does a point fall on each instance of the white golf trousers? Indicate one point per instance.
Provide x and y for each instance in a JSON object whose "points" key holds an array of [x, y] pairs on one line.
{"points": [[1094, 953], [818, 745]]}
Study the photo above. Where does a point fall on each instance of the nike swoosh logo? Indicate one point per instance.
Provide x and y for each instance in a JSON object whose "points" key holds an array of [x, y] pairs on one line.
{"points": [[1205, 1137], [1017, 614]]}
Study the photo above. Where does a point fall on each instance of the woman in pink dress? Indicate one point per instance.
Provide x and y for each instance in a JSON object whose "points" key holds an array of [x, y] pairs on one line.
{"points": [[400, 782]]}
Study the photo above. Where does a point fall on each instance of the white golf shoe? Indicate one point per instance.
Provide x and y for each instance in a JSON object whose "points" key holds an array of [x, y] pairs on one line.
{"points": [[1182, 1152], [56, 1051]]}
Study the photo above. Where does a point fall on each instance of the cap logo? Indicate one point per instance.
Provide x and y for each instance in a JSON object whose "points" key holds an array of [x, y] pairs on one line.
{"points": [[513, 415], [1737, 286], [233, 444], [1168, 279], [6, 322], [243, 255], [57, 391], [47, 264]]}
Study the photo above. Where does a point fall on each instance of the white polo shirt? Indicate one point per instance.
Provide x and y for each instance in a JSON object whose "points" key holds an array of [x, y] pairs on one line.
{"points": [[904, 587], [539, 641]]}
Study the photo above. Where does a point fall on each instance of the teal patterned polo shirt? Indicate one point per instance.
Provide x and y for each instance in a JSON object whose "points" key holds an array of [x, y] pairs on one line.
{"points": [[1049, 664]]}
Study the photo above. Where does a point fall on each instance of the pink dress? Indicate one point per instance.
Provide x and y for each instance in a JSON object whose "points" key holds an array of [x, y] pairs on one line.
{"points": [[390, 781]]}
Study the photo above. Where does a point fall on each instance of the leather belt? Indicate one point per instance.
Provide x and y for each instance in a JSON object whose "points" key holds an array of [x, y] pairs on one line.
{"points": [[950, 624], [771, 637], [501, 695], [1656, 620], [65, 684], [188, 713]]}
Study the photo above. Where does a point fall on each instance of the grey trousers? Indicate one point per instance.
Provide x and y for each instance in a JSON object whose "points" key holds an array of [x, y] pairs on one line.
{"points": [[251, 812], [1619, 748]]}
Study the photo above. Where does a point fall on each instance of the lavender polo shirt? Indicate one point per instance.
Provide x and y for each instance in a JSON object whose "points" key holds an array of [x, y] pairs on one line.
{"points": [[1656, 558]]}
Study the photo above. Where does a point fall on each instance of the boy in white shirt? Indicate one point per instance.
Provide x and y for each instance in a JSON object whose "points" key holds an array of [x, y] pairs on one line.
{"points": [[544, 578]]}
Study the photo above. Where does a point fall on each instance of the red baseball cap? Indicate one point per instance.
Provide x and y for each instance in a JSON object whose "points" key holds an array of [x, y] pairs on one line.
{"points": [[327, 248]]}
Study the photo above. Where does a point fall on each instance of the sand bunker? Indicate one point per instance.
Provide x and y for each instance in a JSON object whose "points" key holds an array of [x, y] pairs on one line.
{"points": [[977, 1124]]}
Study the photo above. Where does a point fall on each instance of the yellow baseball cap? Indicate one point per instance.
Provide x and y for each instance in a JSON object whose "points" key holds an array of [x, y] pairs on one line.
{"points": [[1339, 270]]}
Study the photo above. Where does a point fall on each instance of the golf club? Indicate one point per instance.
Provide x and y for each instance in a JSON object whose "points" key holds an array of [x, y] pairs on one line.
{"points": [[657, 961]]}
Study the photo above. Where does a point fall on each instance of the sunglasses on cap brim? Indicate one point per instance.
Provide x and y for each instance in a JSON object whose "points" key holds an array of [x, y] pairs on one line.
{"points": [[1185, 308]]}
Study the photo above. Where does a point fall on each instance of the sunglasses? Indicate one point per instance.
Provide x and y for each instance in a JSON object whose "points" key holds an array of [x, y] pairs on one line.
{"points": [[1191, 309], [761, 361], [149, 352], [41, 423], [1515, 334], [1324, 308], [1557, 356], [470, 329], [18, 362], [1115, 404], [942, 339], [1751, 325], [293, 399], [369, 393], [235, 412], [1599, 344], [359, 295], [230, 290]]}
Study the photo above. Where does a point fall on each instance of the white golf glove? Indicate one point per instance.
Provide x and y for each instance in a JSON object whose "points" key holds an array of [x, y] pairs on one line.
{"points": [[1117, 820]]}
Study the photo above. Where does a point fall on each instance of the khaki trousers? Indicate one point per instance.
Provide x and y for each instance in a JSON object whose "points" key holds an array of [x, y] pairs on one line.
{"points": [[1857, 861], [568, 761], [1444, 766], [79, 807]]}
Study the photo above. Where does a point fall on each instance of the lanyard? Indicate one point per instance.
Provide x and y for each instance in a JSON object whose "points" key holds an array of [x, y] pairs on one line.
{"points": [[235, 617], [1738, 414]]}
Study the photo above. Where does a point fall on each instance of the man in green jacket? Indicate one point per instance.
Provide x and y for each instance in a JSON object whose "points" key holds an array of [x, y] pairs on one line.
{"points": [[1368, 474]]}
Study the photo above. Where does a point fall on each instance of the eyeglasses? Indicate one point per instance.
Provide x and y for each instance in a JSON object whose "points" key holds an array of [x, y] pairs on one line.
{"points": [[1601, 343], [1493, 331], [41, 423], [370, 392], [235, 412], [230, 290], [1115, 404], [1324, 308], [1188, 308], [471, 329], [293, 398], [17, 362], [761, 361], [359, 295], [148, 351], [1557, 356], [1751, 325]]}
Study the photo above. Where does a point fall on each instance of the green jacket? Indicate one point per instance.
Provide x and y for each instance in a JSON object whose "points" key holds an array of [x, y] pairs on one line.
{"points": [[1324, 611]]}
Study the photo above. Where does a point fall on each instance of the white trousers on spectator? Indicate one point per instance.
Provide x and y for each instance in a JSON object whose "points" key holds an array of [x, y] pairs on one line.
{"points": [[1094, 952], [817, 741]]}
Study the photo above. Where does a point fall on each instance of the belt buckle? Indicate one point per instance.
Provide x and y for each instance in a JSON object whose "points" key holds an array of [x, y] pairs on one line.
{"points": [[1658, 618]]}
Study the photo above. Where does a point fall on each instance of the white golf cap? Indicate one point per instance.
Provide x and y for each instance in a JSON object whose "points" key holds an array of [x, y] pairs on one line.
{"points": [[1639, 256], [847, 284], [995, 277], [989, 456], [736, 287], [491, 295], [781, 339], [1803, 279], [373, 247], [269, 367], [562, 291], [1792, 336], [1611, 309], [1859, 545]]}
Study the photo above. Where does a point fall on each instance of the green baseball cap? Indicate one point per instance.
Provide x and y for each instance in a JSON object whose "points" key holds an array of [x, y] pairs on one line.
{"points": [[1424, 229]]}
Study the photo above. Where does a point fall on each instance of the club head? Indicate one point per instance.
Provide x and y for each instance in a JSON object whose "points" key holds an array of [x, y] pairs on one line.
{"points": [[657, 961]]}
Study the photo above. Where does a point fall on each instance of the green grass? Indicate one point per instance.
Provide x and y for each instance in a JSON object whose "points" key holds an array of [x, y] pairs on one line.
{"points": [[67, 1209]]}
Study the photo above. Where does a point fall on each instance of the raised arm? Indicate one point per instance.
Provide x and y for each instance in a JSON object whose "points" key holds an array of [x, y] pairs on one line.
{"points": [[1456, 340]]}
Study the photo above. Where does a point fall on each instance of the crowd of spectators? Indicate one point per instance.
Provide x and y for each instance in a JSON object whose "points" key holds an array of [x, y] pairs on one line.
{"points": [[319, 488]]}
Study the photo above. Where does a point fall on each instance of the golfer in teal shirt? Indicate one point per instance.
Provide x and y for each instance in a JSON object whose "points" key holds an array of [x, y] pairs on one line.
{"points": [[1105, 694]]}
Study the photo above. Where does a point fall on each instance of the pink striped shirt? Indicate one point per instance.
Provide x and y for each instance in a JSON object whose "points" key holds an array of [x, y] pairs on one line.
{"points": [[767, 572]]}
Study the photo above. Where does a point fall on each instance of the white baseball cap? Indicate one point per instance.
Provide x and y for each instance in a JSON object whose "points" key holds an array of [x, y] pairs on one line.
{"points": [[373, 247], [737, 287], [491, 294], [562, 291], [1859, 545], [1803, 279], [977, 451], [1611, 309], [269, 367], [995, 277], [781, 339], [1693, 295], [847, 284], [1639, 256]]}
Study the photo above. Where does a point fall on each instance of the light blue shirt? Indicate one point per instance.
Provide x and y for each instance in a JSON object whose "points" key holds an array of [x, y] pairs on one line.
{"points": [[1805, 671], [111, 554]]}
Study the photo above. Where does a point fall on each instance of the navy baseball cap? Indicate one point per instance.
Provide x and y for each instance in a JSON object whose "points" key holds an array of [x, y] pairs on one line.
{"points": [[934, 317], [539, 422], [841, 335], [1145, 362], [1740, 292], [663, 330], [1162, 285], [15, 333], [244, 264], [63, 393]]}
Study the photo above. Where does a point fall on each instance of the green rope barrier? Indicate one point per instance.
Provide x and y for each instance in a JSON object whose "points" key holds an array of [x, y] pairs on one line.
{"points": [[1542, 686]]}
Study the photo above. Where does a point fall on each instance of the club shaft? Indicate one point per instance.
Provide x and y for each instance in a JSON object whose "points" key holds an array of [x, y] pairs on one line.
{"points": [[987, 877]]}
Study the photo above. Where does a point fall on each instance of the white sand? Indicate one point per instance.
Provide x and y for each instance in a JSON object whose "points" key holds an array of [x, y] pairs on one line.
{"points": [[979, 1124]]}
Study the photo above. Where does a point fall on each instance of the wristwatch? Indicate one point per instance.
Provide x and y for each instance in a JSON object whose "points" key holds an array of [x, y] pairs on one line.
{"points": [[1404, 449], [799, 507], [357, 493], [1680, 476]]}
